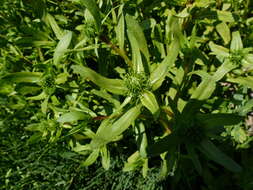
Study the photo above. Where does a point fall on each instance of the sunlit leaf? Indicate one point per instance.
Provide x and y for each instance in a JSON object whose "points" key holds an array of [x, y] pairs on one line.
{"points": [[112, 85], [236, 43], [219, 50], [72, 116], [137, 40], [107, 133], [205, 89], [244, 81], [120, 31], [105, 154], [91, 158], [158, 75], [32, 77], [148, 99], [55, 27], [62, 46], [224, 32]]}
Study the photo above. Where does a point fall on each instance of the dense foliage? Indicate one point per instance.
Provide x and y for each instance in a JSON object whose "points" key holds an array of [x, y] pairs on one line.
{"points": [[126, 94]]}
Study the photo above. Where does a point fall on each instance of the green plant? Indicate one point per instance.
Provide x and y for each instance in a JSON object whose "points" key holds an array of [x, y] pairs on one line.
{"points": [[143, 79]]}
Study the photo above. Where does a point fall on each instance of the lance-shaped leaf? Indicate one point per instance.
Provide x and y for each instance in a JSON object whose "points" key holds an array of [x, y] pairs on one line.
{"points": [[108, 133], [62, 46], [112, 85], [158, 75], [225, 68], [55, 27], [44, 105], [219, 50], [148, 100], [208, 84], [194, 157], [205, 89], [31, 77], [94, 10], [105, 154], [142, 140], [120, 31], [224, 32], [219, 119], [245, 81], [137, 39], [213, 153], [91, 158], [236, 43], [72, 116], [136, 161]]}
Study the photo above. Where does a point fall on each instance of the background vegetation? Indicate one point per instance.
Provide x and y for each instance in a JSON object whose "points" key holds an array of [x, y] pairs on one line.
{"points": [[126, 94]]}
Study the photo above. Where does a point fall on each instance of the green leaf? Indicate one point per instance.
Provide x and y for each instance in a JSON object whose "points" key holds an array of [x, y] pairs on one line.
{"points": [[219, 119], [224, 32], [91, 158], [244, 81], [236, 43], [61, 78], [213, 153], [239, 134], [31, 77], [148, 100], [225, 68], [218, 50], [137, 40], [142, 140], [112, 85], [133, 162], [194, 157], [94, 10], [62, 46], [80, 148], [72, 117], [246, 108], [158, 75], [107, 133], [55, 27], [205, 89], [120, 32], [105, 157], [103, 94], [41, 96], [225, 16], [44, 105], [163, 145]]}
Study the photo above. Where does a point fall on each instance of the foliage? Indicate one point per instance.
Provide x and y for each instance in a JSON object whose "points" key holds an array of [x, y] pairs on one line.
{"points": [[126, 94]]}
